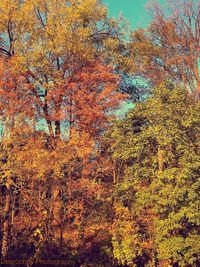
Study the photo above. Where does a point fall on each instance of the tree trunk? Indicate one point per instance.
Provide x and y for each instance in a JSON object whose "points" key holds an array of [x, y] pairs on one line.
{"points": [[57, 121], [57, 129], [161, 156], [56, 205], [47, 118], [6, 224]]}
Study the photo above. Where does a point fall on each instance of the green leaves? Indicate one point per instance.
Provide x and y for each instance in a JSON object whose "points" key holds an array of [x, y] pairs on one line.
{"points": [[158, 142]]}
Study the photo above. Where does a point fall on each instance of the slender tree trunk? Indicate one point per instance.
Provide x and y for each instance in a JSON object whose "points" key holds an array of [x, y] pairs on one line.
{"points": [[56, 205], [61, 238], [70, 118], [57, 129], [58, 119], [49, 123], [115, 172], [161, 156], [6, 224], [196, 72]]}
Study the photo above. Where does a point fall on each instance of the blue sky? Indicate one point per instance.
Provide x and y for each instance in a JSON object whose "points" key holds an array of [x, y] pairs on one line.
{"points": [[134, 10], [137, 15]]}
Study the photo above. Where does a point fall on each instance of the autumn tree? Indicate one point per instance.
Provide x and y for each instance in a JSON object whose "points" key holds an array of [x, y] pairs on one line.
{"points": [[169, 48], [59, 183], [156, 220], [51, 42], [53, 70]]}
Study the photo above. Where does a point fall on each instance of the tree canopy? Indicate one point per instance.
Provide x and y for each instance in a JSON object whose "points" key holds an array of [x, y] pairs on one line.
{"points": [[82, 182]]}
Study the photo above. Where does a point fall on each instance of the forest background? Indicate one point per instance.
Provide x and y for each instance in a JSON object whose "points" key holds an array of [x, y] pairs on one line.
{"points": [[83, 180]]}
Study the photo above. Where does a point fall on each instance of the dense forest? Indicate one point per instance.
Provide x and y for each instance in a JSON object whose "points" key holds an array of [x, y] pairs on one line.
{"points": [[84, 183]]}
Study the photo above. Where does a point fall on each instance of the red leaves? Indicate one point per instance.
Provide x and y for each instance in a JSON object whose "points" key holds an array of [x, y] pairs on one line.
{"points": [[15, 97], [93, 92], [84, 98]]}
